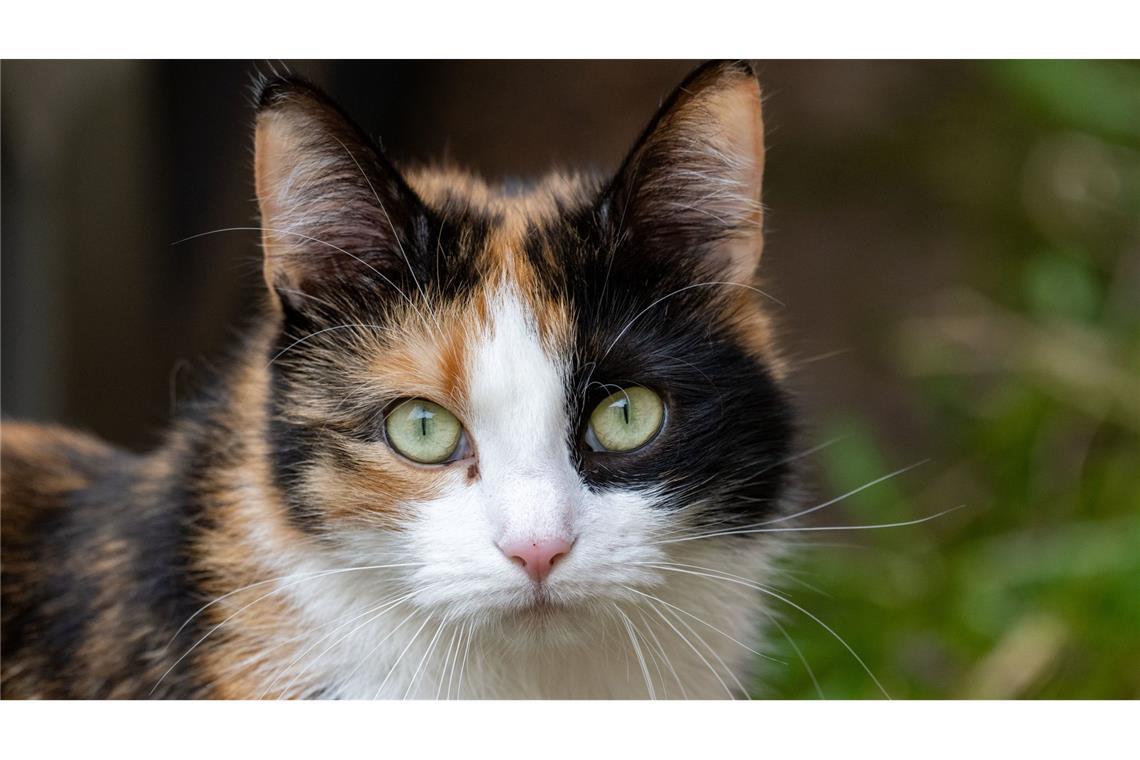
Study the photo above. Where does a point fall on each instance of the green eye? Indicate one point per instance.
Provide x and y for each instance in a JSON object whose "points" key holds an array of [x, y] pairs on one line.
{"points": [[626, 420], [423, 432]]}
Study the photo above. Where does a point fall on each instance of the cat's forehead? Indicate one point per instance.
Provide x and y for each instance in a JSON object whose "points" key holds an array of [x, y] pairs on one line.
{"points": [[542, 248], [508, 227], [511, 204]]}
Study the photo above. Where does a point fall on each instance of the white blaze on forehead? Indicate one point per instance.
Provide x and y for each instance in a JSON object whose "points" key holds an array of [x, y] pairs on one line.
{"points": [[519, 425]]}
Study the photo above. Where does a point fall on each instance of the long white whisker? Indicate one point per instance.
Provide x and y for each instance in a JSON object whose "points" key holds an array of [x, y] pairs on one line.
{"points": [[463, 633], [809, 510], [404, 651], [338, 623], [463, 667], [379, 643], [681, 636], [652, 656], [379, 613], [817, 528], [795, 647], [311, 335], [399, 242], [447, 661], [678, 291], [391, 227], [247, 606], [664, 656], [840, 498], [306, 576], [717, 657], [637, 651], [789, 602], [704, 622], [309, 238], [427, 653]]}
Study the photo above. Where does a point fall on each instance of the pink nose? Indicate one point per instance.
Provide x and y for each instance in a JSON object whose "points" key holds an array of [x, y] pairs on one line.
{"points": [[537, 558]]}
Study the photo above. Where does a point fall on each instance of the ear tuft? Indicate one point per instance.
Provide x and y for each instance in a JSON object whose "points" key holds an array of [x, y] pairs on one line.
{"points": [[273, 89]]}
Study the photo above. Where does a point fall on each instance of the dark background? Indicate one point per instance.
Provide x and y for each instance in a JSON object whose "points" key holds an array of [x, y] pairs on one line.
{"points": [[957, 246]]}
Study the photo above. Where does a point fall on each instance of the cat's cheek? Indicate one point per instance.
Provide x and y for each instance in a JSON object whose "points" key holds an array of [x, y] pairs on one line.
{"points": [[618, 530]]}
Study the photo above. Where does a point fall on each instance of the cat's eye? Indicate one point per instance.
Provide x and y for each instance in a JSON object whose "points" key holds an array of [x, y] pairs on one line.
{"points": [[424, 432], [625, 420]]}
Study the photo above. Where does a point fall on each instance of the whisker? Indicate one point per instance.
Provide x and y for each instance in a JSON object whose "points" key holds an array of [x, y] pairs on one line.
{"points": [[696, 488], [840, 498], [247, 606], [391, 227], [304, 338], [464, 632], [785, 600], [663, 298], [695, 651], [652, 656], [811, 673], [404, 651], [637, 651], [816, 528], [717, 657], [463, 667], [303, 236], [259, 655], [664, 656], [387, 606], [379, 644], [427, 653], [678, 291], [304, 576], [797, 363], [446, 661], [704, 622], [817, 506]]}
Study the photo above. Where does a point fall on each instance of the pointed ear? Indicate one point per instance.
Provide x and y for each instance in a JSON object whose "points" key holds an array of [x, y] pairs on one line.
{"points": [[334, 213], [691, 187]]}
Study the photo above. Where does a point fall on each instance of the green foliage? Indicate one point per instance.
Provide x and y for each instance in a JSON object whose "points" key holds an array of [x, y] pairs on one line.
{"points": [[1032, 589]]}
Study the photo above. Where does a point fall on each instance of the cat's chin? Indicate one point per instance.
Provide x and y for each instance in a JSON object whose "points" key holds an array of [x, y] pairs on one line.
{"points": [[546, 622], [538, 604], [538, 608]]}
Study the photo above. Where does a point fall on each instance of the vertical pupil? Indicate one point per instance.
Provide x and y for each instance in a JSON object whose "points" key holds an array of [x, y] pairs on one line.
{"points": [[423, 416], [625, 410]]}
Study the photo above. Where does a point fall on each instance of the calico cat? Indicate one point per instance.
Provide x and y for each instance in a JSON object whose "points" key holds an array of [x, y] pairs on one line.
{"points": [[479, 444]]}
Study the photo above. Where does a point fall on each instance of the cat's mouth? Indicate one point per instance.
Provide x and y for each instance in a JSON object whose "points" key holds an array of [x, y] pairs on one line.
{"points": [[541, 599], [540, 603]]}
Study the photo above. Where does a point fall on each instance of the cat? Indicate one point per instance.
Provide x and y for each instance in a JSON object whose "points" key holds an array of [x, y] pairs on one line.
{"points": [[480, 443]]}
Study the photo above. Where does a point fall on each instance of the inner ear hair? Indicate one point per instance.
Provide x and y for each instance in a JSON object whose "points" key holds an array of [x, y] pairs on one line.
{"points": [[692, 185], [332, 206]]}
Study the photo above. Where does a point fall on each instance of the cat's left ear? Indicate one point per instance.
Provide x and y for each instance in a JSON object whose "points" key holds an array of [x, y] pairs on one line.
{"points": [[690, 189]]}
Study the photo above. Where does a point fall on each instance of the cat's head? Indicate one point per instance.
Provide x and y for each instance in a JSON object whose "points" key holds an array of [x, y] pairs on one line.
{"points": [[528, 399]]}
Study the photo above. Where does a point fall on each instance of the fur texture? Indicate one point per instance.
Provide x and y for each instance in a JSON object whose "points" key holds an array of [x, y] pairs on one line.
{"points": [[278, 545]]}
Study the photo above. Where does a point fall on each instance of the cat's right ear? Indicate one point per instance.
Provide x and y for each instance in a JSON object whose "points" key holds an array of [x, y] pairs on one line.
{"points": [[335, 214]]}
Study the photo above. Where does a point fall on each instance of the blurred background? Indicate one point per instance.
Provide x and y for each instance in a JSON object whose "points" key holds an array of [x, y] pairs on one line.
{"points": [[958, 246]]}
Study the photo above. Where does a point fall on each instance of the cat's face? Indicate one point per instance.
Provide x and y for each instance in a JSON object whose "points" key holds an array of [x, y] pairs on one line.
{"points": [[524, 399]]}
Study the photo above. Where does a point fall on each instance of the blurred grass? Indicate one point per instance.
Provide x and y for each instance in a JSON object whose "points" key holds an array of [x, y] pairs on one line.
{"points": [[1031, 388]]}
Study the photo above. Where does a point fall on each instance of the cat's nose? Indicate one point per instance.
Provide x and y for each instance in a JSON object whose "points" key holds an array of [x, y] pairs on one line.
{"points": [[536, 557]]}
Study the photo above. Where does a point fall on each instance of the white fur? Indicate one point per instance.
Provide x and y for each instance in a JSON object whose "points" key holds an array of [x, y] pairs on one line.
{"points": [[468, 626]]}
